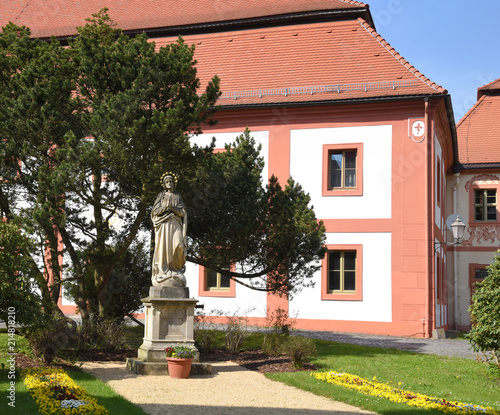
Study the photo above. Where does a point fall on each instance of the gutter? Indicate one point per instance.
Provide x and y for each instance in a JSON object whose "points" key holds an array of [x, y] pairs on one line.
{"points": [[332, 102]]}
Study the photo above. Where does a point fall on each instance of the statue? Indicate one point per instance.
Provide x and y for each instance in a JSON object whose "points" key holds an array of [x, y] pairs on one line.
{"points": [[169, 218]]}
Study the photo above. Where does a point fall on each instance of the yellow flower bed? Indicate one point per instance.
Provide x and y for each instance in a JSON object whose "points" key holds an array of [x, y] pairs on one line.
{"points": [[54, 392], [399, 395]]}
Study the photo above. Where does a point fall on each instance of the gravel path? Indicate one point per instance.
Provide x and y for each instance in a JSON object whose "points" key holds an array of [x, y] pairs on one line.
{"points": [[230, 390], [235, 390]]}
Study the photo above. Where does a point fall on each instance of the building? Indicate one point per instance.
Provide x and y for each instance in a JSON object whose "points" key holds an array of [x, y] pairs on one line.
{"points": [[475, 188], [338, 109]]}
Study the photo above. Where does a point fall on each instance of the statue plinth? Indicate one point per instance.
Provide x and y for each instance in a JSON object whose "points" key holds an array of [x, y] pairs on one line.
{"points": [[169, 321]]}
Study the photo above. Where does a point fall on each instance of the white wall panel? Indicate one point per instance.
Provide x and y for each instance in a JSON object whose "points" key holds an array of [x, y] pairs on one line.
{"points": [[221, 139], [306, 159], [376, 305]]}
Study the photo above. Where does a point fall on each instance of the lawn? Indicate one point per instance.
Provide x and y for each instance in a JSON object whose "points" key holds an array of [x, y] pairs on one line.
{"points": [[24, 404], [443, 377]]}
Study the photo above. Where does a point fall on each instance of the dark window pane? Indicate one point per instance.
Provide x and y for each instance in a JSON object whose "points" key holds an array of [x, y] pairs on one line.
{"points": [[334, 280], [350, 178], [335, 178], [211, 279], [349, 281], [336, 161], [480, 274], [478, 197], [491, 196], [350, 159], [224, 281], [350, 261], [479, 213], [492, 213], [334, 261]]}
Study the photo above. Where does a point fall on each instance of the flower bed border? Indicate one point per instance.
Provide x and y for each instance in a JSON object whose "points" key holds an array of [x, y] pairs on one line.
{"points": [[384, 390], [43, 385]]}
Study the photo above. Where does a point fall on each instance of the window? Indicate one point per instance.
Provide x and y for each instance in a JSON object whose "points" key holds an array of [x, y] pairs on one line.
{"points": [[485, 205], [441, 288], [342, 170], [477, 273], [216, 281], [342, 273], [439, 184], [214, 284]]}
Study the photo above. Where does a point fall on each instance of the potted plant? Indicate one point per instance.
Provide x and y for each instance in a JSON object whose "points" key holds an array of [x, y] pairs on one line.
{"points": [[179, 360]]}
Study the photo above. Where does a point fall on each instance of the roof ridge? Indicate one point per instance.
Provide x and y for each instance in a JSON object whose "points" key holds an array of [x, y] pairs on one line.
{"points": [[488, 84], [356, 3], [399, 57], [471, 110]]}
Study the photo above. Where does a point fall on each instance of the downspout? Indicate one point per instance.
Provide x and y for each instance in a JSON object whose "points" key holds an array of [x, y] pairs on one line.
{"points": [[456, 270], [429, 229]]}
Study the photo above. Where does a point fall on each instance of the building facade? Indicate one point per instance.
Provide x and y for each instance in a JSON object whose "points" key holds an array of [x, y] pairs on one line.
{"points": [[334, 106], [475, 188]]}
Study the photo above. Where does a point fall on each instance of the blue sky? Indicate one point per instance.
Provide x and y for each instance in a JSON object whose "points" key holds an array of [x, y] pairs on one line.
{"points": [[455, 43]]}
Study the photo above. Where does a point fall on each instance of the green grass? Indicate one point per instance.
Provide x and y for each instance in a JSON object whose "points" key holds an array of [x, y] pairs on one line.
{"points": [[24, 403], [450, 378]]}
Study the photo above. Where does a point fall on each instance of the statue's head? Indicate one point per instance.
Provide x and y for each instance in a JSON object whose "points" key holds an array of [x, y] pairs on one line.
{"points": [[169, 181]]}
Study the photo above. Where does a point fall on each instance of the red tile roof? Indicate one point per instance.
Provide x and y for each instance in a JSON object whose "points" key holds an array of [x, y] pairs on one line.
{"points": [[60, 18], [479, 130], [485, 89], [316, 62], [338, 60]]}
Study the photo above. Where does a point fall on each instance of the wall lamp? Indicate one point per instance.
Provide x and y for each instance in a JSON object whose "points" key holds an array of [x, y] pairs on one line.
{"points": [[457, 228]]}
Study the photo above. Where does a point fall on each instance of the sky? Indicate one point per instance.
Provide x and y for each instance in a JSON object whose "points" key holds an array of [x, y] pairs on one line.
{"points": [[455, 43]]}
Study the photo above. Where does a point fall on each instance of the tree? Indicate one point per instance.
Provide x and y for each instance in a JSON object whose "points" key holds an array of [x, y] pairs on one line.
{"points": [[485, 316], [87, 130], [18, 289]]}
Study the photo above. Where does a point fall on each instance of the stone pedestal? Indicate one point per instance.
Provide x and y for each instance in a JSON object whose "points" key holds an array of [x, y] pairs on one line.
{"points": [[169, 321]]}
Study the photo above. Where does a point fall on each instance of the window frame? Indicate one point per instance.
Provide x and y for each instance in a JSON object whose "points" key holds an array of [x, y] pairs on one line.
{"points": [[472, 201], [343, 296], [343, 191], [203, 291], [472, 275]]}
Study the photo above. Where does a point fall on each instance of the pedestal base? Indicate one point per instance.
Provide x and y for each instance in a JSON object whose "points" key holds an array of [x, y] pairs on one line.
{"points": [[161, 368], [169, 322]]}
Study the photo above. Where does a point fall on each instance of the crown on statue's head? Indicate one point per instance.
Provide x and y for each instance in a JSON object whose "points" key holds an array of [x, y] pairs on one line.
{"points": [[169, 173]]}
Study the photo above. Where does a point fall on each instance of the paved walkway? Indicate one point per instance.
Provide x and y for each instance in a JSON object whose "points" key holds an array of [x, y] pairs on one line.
{"points": [[444, 347], [234, 390]]}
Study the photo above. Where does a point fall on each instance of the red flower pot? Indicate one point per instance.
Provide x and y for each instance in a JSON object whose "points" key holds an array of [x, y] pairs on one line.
{"points": [[179, 368]]}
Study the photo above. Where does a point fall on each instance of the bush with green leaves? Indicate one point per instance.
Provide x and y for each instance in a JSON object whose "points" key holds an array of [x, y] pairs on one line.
{"points": [[485, 317], [300, 349], [276, 332]]}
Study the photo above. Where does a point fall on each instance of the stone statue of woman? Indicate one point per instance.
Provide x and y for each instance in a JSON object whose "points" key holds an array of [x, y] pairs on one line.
{"points": [[169, 218]]}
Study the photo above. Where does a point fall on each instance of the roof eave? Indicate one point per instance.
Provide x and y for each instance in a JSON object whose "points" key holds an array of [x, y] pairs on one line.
{"points": [[313, 16]]}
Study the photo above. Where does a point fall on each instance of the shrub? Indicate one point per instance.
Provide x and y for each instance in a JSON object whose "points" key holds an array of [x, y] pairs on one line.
{"points": [[484, 335], [206, 335], [99, 333], [236, 332], [300, 349], [276, 332], [46, 342]]}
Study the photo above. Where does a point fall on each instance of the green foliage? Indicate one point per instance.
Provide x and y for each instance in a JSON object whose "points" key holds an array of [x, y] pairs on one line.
{"points": [[485, 317], [271, 233], [276, 332], [18, 295], [300, 349], [422, 373], [207, 337], [236, 332], [86, 132], [47, 341]]}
